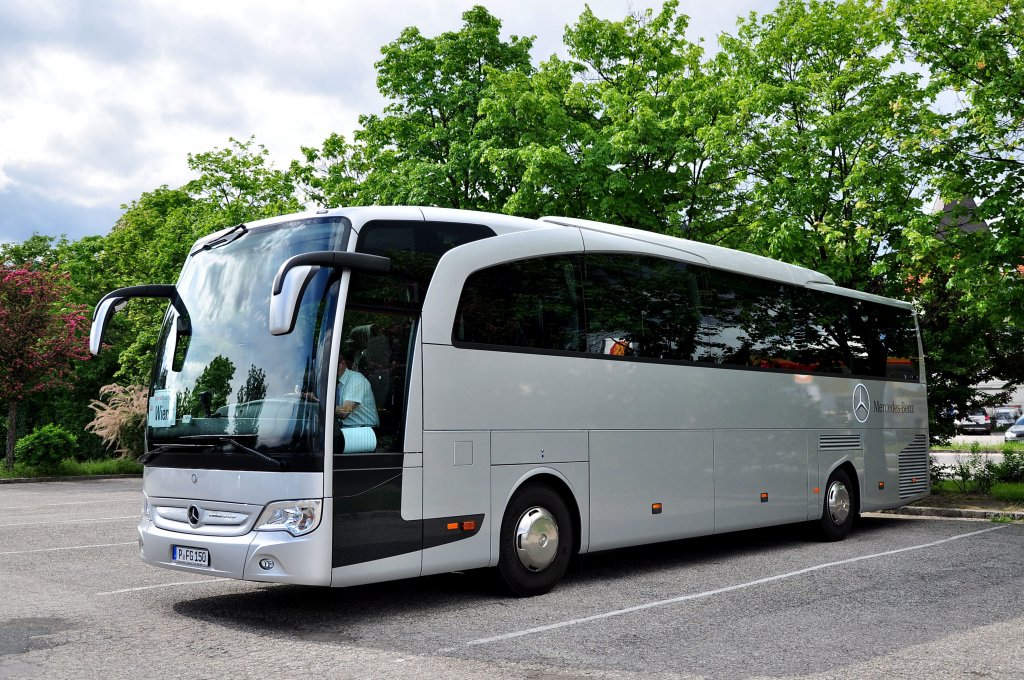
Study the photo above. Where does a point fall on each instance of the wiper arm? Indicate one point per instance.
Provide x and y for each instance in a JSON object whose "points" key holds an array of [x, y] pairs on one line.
{"points": [[221, 439], [235, 233], [153, 453]]}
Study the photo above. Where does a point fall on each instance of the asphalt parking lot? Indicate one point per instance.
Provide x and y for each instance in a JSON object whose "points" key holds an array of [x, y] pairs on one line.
{"points": [[901, 598]]}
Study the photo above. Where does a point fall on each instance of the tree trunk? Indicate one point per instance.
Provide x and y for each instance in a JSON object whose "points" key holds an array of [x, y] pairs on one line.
{"points": [[12, 415]]}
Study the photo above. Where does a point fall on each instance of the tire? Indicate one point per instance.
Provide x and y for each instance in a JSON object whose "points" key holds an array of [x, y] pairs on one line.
{"points": [[839, 507], [536, 541]]}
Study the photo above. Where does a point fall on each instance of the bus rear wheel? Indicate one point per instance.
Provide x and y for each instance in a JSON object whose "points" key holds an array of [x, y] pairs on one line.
{"points": [[536, 541], [839, 507]]}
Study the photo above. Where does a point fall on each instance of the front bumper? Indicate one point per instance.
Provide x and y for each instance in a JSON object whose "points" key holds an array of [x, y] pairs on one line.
{"points": [[304, 560]]}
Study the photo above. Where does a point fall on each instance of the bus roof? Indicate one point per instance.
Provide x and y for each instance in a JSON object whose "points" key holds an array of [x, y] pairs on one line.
{"points": [[715, 256]]}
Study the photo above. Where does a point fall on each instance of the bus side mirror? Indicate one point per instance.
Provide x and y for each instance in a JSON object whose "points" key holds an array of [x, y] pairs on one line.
{"points": [[100, 318], [114, 301], [295, 274], [284, 303]]}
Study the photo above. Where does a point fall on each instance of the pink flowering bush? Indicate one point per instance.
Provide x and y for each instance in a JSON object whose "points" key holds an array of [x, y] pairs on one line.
{"points": [[41, 335]]}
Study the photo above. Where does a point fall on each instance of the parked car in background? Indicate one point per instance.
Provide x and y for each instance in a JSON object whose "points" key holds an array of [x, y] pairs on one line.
{"points": [[1005, 417], [975, 422], [1016, 432]]}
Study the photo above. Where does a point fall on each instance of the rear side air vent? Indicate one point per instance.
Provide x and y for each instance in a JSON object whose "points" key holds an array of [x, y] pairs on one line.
{"points": [[840, 442], [914, 468]]}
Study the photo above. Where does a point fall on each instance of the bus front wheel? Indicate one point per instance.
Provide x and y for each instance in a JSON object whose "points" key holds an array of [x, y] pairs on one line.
{"points": [[536, 541], [839, 507]]}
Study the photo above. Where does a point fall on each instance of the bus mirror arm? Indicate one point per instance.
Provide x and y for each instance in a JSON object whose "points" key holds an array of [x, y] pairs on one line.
{"points": [[115, 300], [295, 274], [334, 259]]}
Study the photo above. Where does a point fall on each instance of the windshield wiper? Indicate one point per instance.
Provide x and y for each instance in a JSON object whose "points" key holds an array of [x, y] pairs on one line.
{"points": [[236, 232], [153, 453], [221, 439]]}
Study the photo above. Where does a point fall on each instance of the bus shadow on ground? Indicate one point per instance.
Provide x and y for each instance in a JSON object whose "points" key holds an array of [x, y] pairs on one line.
{"points": [[400, 613]]}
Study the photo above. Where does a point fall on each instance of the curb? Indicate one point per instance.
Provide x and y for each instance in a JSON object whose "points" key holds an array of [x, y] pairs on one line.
{"points": [[76, 478], [955, 513]]}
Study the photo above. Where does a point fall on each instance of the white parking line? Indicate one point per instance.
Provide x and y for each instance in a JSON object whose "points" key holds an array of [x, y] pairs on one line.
{"points": [[160, 585], [70, 521], [135, 497], [70, 547], [718, 591]]}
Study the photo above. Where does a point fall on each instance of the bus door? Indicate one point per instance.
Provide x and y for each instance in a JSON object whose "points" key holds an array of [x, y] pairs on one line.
{"points": [[378, 532]]}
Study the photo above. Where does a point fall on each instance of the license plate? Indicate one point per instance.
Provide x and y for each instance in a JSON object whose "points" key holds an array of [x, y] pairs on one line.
{"points": [[184, 555]]}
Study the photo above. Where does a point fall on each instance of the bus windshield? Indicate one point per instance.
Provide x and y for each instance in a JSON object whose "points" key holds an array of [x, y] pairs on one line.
{"points": [[226, 394]]}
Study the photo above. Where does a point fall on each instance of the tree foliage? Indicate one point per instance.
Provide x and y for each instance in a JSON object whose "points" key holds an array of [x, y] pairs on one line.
{"points": [[41, 334], [425, 148]]}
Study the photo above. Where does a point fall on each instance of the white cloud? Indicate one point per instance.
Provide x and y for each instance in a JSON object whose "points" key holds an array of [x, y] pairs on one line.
{"points": [[104, 99]]}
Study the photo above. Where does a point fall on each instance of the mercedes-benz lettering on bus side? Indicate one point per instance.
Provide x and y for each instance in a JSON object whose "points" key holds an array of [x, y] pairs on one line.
{"points": [[365, 394]]}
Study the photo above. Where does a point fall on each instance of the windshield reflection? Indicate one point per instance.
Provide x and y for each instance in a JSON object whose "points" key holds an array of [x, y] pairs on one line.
{"points": [[221, 375]]}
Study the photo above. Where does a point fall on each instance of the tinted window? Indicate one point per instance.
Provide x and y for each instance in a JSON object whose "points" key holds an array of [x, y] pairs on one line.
{"points": [[824, 343], [640, 306], [887, 341], [745, 322], [414, 249], [635, 306], [379, 346], [535, 304]]}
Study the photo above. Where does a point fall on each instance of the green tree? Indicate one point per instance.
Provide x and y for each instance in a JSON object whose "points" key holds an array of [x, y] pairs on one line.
{"points": [[148, 244], [970, 282], [237, 183], [332, 175], [626, 131], [538, 142], [424, 149], [655, 106], [822, 129]]}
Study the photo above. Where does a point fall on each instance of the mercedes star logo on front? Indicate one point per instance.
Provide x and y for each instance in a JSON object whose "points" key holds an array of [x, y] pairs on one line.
{"points": [[861, 399], [193, 515]]}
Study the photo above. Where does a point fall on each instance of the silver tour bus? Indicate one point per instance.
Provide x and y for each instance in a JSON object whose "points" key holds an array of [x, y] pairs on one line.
{"points": [[526, 391]]}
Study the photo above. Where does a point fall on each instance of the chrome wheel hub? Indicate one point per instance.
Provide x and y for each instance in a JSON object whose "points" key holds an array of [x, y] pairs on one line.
{"points": [[838, 500], [536, 539]]}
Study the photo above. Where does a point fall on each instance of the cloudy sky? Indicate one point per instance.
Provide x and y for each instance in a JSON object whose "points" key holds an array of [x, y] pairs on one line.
{"points": [[104, 99]]}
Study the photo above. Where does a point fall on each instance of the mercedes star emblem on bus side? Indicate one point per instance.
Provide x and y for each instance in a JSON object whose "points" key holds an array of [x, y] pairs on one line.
{"points": [[861, 399], [193, 515]]}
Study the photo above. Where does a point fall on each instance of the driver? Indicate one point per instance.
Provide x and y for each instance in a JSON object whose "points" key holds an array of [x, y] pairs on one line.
{"points": [[356, 406]]}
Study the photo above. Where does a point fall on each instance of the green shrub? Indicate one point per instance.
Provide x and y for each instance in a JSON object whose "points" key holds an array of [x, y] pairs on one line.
{"points": [[1011, 469], [974, 474], [45, 447]]}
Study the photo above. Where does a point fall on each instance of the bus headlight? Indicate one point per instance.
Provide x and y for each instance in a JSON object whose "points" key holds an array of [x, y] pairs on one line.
{"points": [[295, 517]]}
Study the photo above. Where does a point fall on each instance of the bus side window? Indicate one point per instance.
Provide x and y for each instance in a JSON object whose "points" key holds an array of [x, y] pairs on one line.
{"points": [[640, 306], [530, 304], [746, 321]]}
